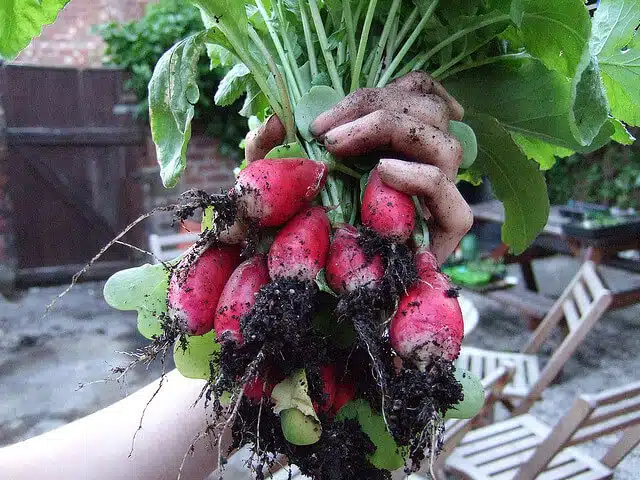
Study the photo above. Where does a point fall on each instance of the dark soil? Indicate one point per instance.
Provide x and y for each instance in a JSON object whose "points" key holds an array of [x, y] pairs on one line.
{"points": [[340, 454], [417, 403], [290, 328]]}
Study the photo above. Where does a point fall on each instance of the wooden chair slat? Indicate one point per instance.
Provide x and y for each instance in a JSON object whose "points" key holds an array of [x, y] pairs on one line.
{"points": [[607, 412], [494, 442], [506, 463], [490, 430], [592, 281], [614, 394], [604, 428], [564, 471], [581, 297], [570, 314], [630, 439], [510, 447], [477, 367]]}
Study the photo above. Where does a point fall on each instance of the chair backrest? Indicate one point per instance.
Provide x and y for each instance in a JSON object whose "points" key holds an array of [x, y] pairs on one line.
{"points": [[493, 385], [592, 416], [581, 304], [168, 247]]}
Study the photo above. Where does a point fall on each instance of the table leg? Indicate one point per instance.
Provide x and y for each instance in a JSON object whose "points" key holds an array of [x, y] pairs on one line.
{"points": [[529, 276]]}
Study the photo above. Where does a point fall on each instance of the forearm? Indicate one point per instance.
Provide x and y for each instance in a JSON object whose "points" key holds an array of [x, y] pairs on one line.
{"points": [[97, 446]]}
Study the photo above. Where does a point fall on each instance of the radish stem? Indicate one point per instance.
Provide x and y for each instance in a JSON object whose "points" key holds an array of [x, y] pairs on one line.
{"points": [[405, 29], [364, 38], [306, 27], [324, 45], [480, 63], [460, 34], [351, 34], [287, 111], [407, 45], [384, 38], [283, 57]]}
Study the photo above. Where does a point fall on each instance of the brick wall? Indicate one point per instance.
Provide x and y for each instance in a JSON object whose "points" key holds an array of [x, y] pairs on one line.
{"points": [[69, 40]]}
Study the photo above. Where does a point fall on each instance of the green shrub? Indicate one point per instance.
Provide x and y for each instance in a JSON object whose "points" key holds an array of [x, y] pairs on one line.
{"points": [[609, 176], [137, 46]]}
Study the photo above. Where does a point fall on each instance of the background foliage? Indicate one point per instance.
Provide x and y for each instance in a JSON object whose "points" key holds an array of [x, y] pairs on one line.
{"points": [[609, 176], [137, 46]]}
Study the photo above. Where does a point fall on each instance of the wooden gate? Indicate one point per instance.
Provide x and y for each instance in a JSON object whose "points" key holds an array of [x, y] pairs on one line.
{"points": [[70, 163]]}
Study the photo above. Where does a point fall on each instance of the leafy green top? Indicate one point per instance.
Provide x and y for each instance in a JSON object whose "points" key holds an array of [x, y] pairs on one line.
{"points": [[538, 78]]}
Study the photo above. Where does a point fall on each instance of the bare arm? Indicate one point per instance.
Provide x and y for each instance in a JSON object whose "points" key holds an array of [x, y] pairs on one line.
{"points": [[97, 446]]}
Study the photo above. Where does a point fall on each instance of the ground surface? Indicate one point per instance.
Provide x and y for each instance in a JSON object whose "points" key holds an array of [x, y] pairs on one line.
{"points": [[43, 359]]}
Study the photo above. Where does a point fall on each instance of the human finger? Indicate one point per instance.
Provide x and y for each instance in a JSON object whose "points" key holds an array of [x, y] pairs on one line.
{"points": [[424, 83], [428, 108], [450, 215], [258, 142], [400, 133]]}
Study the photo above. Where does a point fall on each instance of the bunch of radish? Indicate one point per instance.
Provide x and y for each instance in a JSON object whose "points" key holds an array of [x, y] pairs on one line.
{"points": [[311, 304], [260, 292]]}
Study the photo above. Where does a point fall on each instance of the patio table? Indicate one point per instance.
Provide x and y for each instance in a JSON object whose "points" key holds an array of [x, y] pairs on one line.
{"points": [[554, 240]]}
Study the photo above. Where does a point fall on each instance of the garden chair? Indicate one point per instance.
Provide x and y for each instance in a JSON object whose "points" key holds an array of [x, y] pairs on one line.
{"points": [[525, 448], [581, 304]]}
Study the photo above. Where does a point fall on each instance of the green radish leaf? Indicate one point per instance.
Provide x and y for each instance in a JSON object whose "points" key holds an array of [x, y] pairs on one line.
{"points": [[322, 79], [218, 48], [556, 32], [621, 134], [232, 86], [542, 152], [319, 99], [293, 392], [516, 181], [254, 122], [473, 392], [229, 16], [364, 180], [466, 137], [23, 20], [194, 360], [386, 456], [255, 103], [144, 289], [321, 282], [288, 150], [470, 176], [298, 428], [589, 109], [524, 97], [615, 42], [173, 92], [207, 219]]}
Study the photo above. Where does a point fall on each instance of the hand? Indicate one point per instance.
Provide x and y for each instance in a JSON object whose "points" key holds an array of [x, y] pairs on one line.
{"points": [[409, 117]]}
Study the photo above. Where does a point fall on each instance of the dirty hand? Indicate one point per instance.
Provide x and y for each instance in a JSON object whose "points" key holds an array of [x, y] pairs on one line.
{"points": [[409, 117]]}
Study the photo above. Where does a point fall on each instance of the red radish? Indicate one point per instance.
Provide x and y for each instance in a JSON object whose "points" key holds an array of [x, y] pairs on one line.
{"points": [[390, 213], [428, 321], [235, 233], [345, 392], [328, 374], [300, 249], [238, 297], [193, 297], [274, 190], [428, 270], [254, 389], [347, 265]]}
